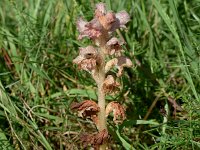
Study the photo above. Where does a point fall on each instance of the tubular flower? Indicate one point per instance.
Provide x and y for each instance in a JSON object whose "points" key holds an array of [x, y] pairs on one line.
{"points": [[120, 63], [87, 108], [87, 58], [122, 18], [118, 112], [92, 29], [110, 84], [114, 46]]}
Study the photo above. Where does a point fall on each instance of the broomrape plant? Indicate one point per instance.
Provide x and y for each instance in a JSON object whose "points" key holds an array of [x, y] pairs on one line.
{"points": [[99, 59]]}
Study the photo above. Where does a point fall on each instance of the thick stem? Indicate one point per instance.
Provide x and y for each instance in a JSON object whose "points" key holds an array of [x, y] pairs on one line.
{"points": [[101, 104], [99, 78], [101, 95], [102, 114]]}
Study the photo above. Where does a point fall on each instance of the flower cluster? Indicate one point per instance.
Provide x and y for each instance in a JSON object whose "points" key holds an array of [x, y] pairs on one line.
{"points": [[103, 21], [95, 60]]}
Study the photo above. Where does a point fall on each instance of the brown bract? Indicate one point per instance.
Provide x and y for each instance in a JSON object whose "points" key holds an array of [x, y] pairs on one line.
{"points": [[107, 20], [87, 109], [95, 140], [110, 85], [118, 112], [87, 59]]}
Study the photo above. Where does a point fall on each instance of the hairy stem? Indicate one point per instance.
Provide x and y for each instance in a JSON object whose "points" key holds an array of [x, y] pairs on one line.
{"points": [[101, 103], [101, 95]]}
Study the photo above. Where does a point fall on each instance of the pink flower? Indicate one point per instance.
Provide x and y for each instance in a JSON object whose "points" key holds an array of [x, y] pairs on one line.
{"points": [[114, 46], [122, 18], [87, 58], [117, 20], [103, 22], [119, 63], [100, 9], [90, 29]]}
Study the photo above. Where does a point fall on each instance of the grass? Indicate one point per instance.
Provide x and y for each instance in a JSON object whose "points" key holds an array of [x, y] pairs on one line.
{"points": [[38, 82]]}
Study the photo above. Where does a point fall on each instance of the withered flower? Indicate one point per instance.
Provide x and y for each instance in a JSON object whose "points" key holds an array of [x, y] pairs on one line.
{"points": [[101, 137], [110, 85], [87, 58], [114, 46], [118, 112], [87, 109], [120, 63], [95, 140]]}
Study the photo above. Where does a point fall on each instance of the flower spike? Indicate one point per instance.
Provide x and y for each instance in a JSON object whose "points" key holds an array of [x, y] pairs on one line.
{"points": [[98, 61]]}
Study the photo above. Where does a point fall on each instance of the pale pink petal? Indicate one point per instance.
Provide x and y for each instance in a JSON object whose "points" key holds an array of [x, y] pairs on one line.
{"points": [[109, 20], [114, 46], [87, 59], [123, 62], [110, 64], [122, 18], [87, 51], [81, 24], [119, 63], [78, 59], [92, 29], [100, 9], [114, 41], [94, 24]]}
